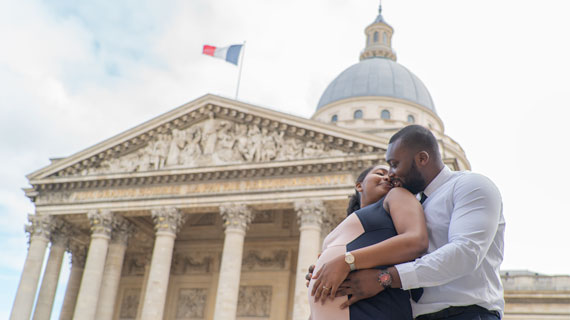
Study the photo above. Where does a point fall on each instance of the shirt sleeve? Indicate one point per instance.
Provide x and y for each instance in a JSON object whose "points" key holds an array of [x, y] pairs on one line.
{"points": [[474, 221]]}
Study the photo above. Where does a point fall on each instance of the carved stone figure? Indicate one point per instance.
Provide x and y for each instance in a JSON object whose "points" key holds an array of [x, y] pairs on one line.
{"points": [[130, 303], [254, 301], [177, 144], [158, 155], [191, 303], [213, 141], [209, 136]]}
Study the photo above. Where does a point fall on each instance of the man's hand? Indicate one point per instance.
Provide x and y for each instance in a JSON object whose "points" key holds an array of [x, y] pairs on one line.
{"points": [[309, 275], [360, 284]]}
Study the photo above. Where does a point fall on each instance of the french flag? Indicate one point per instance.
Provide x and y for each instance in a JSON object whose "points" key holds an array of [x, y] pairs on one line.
{"points": [[230, 54]]}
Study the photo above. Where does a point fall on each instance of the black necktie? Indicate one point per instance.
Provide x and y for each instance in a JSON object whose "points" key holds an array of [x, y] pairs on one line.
{"points": [[423, 198], [418, 292]]}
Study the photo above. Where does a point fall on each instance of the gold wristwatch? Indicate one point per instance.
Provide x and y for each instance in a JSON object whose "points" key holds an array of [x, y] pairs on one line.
{"points": [[349, 258]]}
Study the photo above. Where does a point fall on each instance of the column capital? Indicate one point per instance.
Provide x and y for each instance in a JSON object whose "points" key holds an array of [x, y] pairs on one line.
{"points": [[101, 222], [310, 212], [78, 253], [236, 216], [122, 230], [168, 219], [61, 232], [39, 226]]}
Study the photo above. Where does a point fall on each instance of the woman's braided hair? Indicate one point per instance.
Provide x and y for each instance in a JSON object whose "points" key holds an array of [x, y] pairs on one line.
{"points": [[354, 202]]}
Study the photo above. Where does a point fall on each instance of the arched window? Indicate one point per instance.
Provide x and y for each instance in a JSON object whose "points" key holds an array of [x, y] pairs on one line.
{"points": [[384, 38], [411, 119], [334, 118], [385, 114], [358, 114], [376, 36]]}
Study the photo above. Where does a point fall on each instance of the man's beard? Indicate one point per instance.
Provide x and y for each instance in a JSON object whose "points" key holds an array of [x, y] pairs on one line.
{"points": [[413, 181]]}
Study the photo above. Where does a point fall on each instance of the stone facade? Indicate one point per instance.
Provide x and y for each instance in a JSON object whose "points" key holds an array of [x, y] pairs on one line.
{"points": [[529, 295]]}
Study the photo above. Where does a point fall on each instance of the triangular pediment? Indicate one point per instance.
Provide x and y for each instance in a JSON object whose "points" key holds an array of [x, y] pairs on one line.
{"points": [[211, 131]]}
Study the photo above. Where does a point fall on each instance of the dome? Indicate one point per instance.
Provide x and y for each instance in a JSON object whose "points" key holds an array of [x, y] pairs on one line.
{"points": [[377, 77]]}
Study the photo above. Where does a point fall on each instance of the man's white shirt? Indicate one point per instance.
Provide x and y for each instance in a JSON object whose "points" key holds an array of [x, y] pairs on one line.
{"points": [[466, 231]]}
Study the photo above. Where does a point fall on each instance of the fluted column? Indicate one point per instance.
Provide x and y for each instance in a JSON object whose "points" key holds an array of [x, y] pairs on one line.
{"points": [[78, 255], [236, 219], [59, 237], [311, 214], [113, 266], [101, 224], [39, 231], [167, 221]]}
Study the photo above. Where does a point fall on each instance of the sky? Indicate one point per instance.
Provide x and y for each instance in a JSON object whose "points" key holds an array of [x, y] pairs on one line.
{"points": [[73, 73]]}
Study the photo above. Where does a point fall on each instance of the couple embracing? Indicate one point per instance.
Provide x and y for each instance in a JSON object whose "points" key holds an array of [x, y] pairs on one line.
{"points": [[420, 241]]}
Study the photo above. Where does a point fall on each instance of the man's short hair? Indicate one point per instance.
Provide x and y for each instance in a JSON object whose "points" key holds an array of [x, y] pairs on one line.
{"points": [[417, 138]]}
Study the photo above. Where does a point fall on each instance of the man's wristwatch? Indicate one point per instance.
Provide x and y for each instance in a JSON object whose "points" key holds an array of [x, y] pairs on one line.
{"points": [[385, 278], [349, 259]]}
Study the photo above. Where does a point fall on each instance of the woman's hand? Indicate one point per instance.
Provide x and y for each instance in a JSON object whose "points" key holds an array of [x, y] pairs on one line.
{"points": [[329, 277]]}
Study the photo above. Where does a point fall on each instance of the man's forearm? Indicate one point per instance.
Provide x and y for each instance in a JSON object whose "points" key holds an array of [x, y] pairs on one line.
{"points": [[396, 282]]}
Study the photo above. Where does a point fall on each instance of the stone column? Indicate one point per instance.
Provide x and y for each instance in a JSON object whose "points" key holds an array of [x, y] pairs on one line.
{"points": [[147, 258], [39, 231], [311, 214], [101, 224], [167, 221], [59, 238], [236, 218], [78, 255], [113, 266]]}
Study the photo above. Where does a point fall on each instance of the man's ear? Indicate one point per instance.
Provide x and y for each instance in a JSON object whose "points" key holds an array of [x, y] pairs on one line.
{"points": [[422, 158], [358, 187]]}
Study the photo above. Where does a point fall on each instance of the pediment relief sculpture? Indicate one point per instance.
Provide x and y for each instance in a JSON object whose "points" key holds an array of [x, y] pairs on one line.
{"points": [[213, 142]]}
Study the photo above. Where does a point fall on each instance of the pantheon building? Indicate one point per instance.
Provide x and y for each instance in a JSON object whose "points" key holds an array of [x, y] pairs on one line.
{"points": [[215, 209]]}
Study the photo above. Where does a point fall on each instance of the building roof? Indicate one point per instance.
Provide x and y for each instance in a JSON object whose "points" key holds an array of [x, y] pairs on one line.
{"points": [[377, 77]]}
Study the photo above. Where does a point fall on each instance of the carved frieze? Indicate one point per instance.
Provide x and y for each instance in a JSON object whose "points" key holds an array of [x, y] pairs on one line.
{"points": [[212, 142], [191, 263], [254, 301], [191, 303], [129, 304], [262, 260], [244, 185]]}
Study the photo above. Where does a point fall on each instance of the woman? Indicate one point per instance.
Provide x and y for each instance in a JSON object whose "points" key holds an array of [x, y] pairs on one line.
{"points": [[388, 229]]}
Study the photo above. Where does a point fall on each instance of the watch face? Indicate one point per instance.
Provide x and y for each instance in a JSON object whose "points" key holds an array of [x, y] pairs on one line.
{"points": [[349, 258], [385, 278]]}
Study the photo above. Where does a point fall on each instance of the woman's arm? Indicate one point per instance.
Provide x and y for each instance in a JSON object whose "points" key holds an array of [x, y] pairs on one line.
{"points": [[411, 241]]}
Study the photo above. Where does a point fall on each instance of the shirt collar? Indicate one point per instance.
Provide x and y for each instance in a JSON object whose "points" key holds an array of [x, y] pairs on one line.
{"points": [[438, 181]]}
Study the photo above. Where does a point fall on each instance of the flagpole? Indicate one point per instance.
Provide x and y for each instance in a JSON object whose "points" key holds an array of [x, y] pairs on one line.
{"points": [[240, 66]]}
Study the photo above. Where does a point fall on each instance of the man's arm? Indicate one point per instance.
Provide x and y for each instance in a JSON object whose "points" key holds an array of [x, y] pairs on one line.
{"points": [[472, 228]]}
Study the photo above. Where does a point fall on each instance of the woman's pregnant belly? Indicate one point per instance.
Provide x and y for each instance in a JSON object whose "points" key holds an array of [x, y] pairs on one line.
{"points": [[331, 309]]}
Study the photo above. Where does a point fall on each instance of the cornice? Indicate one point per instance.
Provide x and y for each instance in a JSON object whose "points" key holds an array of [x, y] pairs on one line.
{"points": [[198, 110], [209, 174]]}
